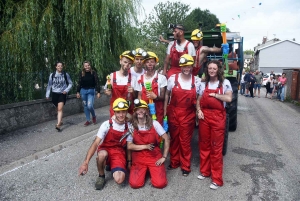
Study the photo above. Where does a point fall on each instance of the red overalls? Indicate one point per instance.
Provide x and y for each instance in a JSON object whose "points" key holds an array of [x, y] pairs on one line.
{"points": [[181, 117], [211, 135], [175, 56], [145, 159], [159, 104], [197, 65], [120, 91], [115, 149]]}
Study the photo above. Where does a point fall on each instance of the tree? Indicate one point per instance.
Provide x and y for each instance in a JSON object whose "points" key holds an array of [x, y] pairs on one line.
{"points": [[207, 19], [34, 34], [249, 52]]}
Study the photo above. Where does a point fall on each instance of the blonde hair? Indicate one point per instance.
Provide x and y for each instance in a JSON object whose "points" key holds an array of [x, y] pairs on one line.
{"points": [[83, 70]]}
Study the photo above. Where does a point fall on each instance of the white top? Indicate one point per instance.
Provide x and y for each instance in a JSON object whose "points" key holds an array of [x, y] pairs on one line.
{"points": [[158, 128], [162, 81], [242, 80], [122, 80], [135, 73], [226, 87], [184, 85], [180, 48]]}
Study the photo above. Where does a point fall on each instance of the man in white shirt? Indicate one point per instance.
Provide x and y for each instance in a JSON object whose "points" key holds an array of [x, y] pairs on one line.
{"points": [[138, 70]]}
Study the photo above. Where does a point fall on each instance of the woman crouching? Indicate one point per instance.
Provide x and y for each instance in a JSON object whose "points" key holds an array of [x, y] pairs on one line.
{"points": [[144, 144]]}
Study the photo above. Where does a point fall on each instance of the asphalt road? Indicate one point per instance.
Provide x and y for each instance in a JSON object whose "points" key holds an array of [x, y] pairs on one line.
{"points": [[262, 161]]}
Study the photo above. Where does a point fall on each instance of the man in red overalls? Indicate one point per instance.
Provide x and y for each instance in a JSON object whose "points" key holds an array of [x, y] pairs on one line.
{"points": [[175, 50], [181, 113], [109, 148], [123, 83], [144, 144], [158, 84], [214, 92], [201, 51]]}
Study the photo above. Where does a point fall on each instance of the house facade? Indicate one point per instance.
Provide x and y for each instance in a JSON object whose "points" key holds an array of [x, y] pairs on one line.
{"points": [[276, 56]]}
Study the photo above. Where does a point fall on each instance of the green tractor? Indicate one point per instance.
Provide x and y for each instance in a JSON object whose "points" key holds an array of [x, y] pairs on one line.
{"points": [[233, 62]]}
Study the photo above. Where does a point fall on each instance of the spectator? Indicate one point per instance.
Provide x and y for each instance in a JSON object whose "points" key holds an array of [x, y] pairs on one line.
{"points": [[282, 86], [257, 84], [251, 81], [242, 90]]}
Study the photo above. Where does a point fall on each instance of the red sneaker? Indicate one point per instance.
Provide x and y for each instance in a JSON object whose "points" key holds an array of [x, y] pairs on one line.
{"points": [[94, 120], [87, 123]]}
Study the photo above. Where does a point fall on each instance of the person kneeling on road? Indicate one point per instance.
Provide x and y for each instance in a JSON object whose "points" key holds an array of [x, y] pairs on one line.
{"points": [[111, 151], [144, 144]]}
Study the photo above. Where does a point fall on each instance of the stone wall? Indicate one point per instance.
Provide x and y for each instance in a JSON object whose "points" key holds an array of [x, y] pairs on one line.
{"points": [[24, 114]]}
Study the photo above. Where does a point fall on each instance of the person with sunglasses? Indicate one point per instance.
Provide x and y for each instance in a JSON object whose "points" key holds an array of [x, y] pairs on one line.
{"points": [[214, 92], [144, 144], [138, 70], [123, 84], [110, 146], [158, 85], [175, 49], [180, 109]]}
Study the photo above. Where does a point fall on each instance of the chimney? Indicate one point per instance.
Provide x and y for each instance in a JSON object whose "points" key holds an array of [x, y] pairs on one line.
{"points": [[264, 40]]}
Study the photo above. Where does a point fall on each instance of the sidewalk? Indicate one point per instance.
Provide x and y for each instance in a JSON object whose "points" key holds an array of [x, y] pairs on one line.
{"points": [[28, 144]]}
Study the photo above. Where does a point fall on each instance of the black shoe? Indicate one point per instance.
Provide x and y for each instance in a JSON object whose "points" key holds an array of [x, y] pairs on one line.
{"points": [[185, 173]]}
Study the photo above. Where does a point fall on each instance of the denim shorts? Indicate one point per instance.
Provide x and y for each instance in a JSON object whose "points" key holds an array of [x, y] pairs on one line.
{"points": [[257, 86]]}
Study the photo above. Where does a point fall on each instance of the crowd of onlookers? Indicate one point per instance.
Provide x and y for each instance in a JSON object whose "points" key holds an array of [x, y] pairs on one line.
{"points": [[251, 82]]}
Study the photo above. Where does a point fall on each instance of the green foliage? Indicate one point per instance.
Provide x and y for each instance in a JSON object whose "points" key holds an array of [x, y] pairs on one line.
{"points": [[207, 19], [249, 52], [34, 34]]}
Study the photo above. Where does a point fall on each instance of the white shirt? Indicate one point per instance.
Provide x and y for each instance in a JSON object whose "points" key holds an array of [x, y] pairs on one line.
{"points": [[162, 81], [184, 85], [158, 128], [180, 48], [226, 87], [242, 80], [105, 126], [135, 73], [122, 80]]}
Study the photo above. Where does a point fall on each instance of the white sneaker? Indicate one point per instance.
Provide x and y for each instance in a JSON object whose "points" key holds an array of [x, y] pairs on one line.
{"points": [[214, 186], [201, 176]]}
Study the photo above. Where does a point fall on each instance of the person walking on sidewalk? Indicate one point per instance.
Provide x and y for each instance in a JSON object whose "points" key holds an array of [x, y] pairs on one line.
{"points": [[60, 83], [123, 84], [88, 84], [243, 84], [108, 146], [214, 92], [144, 144], [181, 114]]}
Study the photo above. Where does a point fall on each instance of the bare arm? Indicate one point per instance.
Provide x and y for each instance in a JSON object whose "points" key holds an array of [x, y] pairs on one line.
{"points": [[166, 64], [227, 97], [166, 144], [135, 147], [167, 96], [84, 167]]}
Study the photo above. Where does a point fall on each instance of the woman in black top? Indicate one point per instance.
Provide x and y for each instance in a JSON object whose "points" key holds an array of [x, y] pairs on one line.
{"points": [[88, 84]]}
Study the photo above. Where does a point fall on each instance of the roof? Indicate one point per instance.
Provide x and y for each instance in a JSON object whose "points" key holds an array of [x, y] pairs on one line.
{"points": [[264, 47]]}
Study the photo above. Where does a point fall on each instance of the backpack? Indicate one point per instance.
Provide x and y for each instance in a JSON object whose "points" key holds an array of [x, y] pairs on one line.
{"points": [[65, 76]]}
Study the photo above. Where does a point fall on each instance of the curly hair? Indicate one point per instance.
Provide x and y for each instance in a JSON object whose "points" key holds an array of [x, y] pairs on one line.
{"points": [[83, 70], [220, 72], [148, 124]]}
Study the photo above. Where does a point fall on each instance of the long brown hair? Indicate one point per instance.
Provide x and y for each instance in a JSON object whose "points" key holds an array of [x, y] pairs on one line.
{"points": [[220, 72], [83, 70], [135, 122]]}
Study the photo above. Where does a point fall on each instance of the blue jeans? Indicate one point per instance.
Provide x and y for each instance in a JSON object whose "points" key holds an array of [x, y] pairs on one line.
{"points": [[88, 98], [243, 87], [282, 93]]}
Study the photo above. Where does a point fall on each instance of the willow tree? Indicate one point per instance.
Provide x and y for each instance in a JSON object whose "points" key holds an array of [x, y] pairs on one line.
{"points": [[34, 34]]}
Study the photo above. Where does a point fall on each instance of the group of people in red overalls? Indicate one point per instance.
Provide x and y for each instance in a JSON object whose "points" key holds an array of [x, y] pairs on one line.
{"points": [[130, 138]]}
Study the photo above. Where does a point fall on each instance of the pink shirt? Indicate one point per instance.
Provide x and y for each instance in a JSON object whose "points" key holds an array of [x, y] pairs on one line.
{"points": [[282, 80]]}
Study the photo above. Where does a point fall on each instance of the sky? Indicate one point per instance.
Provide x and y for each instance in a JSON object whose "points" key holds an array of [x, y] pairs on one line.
{"points": [[273, 18]]}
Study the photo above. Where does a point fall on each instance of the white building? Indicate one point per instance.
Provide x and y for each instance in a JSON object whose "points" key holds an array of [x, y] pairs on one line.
{"points": [[276, 56]]}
